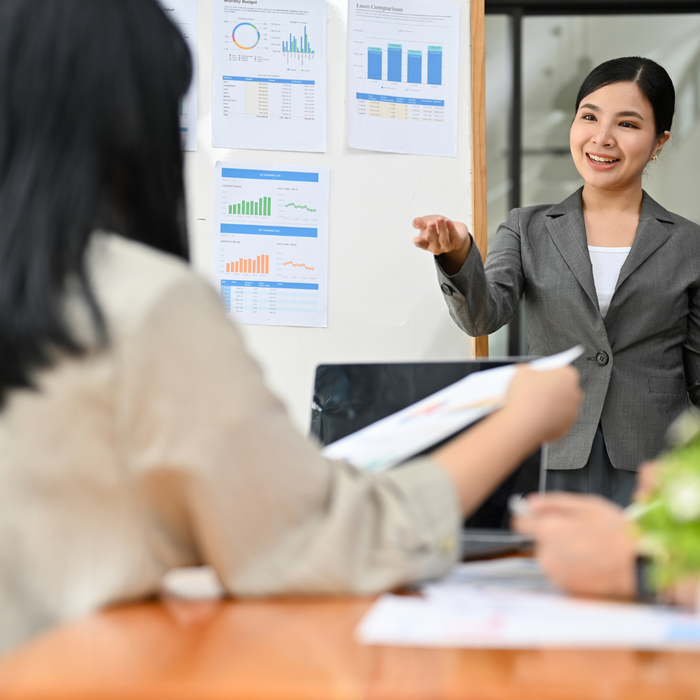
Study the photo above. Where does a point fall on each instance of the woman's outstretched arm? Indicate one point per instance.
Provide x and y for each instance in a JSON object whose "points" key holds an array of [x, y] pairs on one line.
{"points": [[541, 407]]}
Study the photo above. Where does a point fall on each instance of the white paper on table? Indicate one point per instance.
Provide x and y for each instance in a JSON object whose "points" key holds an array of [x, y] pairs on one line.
{"points": [[403, 66], [271, 243], [183, 13], [408, 432], [499, 614], [269, 75], [513, 573]]}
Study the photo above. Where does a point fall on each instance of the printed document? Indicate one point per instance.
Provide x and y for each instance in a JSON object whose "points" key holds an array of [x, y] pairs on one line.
{"points": [[183, 13], [408, 432], [403, 67], [509, 604], [271, 243], [269, 74]]}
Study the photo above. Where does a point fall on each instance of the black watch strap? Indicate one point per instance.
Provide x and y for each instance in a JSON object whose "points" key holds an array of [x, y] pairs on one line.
{"points": [[645, 592]]}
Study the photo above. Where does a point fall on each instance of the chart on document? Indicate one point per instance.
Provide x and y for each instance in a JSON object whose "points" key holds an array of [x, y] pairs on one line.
{"points": [[183, 13], [403, 63], [269, 75], [271, 243]]}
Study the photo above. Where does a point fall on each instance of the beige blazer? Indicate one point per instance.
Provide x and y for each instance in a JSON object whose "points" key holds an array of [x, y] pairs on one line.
{"points": [[641, 363], [166, 449]]}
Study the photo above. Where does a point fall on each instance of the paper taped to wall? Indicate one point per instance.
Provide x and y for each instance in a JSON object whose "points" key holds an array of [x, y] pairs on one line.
{"points": [[269, 75], [271, 243], [403, 68]]}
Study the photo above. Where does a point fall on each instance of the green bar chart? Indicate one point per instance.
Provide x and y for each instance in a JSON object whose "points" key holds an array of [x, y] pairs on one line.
{"points": [[252, 207]]}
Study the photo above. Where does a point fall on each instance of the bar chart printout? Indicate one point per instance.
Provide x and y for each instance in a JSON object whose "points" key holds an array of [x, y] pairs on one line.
{"points": [[414, 64], [183, 14], [294, 46], [260, 207], [403, 72], [269, 75], [271, 243]]}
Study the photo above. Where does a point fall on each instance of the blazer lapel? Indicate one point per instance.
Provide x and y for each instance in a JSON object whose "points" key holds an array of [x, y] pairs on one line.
{"points": [[568, 231], [651, 235]]}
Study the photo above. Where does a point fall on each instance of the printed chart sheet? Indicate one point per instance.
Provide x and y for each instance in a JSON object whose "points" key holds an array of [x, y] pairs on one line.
{"points": [[271, 243], [183, 13], [403, 61], [506, 605], [269, 75], [408, 432]]}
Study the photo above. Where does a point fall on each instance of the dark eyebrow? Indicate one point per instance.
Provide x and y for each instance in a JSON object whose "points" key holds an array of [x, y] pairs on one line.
{"points": [[630, 114], [594, 108]]}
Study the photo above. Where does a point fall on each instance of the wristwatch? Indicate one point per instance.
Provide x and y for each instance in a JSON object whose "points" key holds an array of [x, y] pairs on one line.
{"points": [[645, 592]]}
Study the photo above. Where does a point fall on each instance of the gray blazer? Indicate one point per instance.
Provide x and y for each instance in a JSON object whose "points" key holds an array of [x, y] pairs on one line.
{"points": [[641, 363]]}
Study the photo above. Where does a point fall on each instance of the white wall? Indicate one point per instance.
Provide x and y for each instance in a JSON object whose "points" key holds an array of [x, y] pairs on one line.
{"points": [[384, 302]]}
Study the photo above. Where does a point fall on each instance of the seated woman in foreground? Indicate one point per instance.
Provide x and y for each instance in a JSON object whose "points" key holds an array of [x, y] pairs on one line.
{"points": [[136, 434]]}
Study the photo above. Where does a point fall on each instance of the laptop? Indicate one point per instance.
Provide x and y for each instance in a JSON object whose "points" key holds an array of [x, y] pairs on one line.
{"points": [[348, 397]]}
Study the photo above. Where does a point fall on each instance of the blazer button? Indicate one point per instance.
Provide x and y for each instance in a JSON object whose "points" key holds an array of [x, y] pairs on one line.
{"points": [[447, 290], [602, 359]]}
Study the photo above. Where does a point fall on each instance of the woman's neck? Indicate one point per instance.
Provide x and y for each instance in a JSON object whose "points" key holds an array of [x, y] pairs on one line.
{"points": [[626, 201], [611, 217]]}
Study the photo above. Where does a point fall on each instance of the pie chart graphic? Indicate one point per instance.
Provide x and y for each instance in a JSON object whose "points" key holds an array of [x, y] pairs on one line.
{"points": [[246, 36]]}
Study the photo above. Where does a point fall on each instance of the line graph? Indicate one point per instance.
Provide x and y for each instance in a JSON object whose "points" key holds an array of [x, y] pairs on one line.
{"points": [[293, 264], [299, 206]]}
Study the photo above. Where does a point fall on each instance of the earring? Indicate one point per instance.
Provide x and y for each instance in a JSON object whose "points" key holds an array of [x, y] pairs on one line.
{"points": [[654, 157]]}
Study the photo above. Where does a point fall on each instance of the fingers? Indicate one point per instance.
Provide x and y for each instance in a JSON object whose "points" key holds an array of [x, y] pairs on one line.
{"points": [[439, 235], [550, 510], [562, 503], [524, 524], [431, 236], [420, 222], [646, 480]]}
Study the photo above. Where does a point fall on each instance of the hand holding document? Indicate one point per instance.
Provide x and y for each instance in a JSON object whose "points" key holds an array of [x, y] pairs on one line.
{"points": [[408, 432]]}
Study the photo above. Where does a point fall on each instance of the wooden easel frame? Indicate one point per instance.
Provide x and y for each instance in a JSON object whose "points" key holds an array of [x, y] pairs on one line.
{"points": [[479, 218]]}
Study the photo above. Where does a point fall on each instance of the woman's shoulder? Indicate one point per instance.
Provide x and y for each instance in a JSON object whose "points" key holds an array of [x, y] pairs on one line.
{"points": [[652, 207], [130, 278], [536, 214], [678, 225]]}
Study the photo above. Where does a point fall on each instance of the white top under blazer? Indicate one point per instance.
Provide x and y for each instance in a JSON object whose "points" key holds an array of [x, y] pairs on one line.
{"points": [[607, 263]]}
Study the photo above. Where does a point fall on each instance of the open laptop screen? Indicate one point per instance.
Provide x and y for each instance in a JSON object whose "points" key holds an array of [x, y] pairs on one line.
{"points": [[348, 397]]}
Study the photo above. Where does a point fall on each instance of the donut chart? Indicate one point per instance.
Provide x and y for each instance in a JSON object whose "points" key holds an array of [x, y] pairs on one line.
{"points": [[246, 36]]}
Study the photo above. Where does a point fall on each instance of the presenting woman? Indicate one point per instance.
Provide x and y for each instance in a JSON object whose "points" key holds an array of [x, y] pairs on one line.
{"points": [[607, 268], [136, 434]]}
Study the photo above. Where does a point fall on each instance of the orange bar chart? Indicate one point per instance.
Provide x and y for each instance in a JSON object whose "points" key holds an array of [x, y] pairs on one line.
{"points": [[259, 265]]}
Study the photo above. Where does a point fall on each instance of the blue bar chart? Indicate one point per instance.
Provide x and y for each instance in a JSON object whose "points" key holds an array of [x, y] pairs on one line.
{"points": [[374, 63], [434, 65], [415, 67], [410, 70], [297, 45], [394, 56]]}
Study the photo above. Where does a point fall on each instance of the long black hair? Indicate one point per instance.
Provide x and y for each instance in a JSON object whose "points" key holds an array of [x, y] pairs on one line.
{"points": [[651, 78], [89, 138]]}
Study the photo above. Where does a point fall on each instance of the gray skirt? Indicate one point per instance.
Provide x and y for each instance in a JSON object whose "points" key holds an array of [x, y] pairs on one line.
{"points": [[597, 476]]}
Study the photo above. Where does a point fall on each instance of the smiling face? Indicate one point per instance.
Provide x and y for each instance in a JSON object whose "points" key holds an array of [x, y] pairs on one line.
{"points": [[613, 137]]}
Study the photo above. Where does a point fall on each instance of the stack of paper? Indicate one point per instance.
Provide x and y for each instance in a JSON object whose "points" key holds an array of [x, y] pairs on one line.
{"points": [[511, 605]]}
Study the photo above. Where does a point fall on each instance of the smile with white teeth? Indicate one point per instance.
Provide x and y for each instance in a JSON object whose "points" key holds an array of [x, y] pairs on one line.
{"points": [[600, 159]]}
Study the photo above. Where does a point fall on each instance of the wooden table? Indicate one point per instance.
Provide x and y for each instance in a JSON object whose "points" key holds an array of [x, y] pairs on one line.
{"points": [[288, 649]]}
